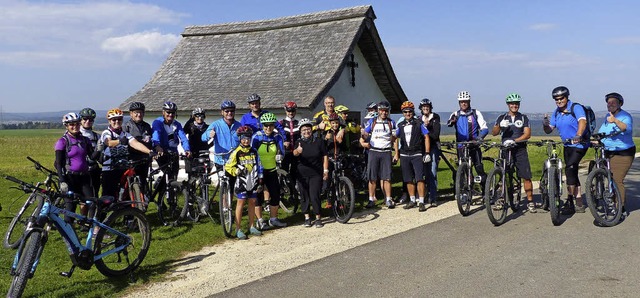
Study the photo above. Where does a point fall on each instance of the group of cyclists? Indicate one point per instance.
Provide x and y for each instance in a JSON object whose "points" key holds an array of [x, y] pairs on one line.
{"points": [[252, 149]]}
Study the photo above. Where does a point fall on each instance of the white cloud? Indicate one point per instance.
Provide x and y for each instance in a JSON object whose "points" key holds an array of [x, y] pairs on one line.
{"points": [[628, 40], [150, 42], [542, 27]]}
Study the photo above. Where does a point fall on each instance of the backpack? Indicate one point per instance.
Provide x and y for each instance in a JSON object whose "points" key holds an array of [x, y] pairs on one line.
{"points": [[591, 119]]}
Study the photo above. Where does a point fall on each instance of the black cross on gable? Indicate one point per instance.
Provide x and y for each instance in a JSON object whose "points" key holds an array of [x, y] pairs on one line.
{"points": [[353, 64]]}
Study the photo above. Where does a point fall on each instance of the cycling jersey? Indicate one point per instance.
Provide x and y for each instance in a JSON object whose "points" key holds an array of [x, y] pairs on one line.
{"points": [[381, 132], [169, 136], [433, 125], [194, 133], [225, 139], [470, 125], [517, 124], [411, 134], [93, 138], [333, 147], [118, 153], [622, 141], [567, 124], [291, 132], [323, 116], [75, 153], [142, 132], [250, 160], [268, 146]]}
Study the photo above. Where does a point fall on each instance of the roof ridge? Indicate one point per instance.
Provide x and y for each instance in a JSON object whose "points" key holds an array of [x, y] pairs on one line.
{"points": [[282, 22]]}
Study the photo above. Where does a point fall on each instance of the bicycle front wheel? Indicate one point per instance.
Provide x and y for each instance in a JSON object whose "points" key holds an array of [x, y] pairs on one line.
{"points": [[495, 199], [603, 198], [554, 195], [168, 207], [27, 258], [118, 254], [463, 189], [345, 201], [544, 192], [226, 210], [18, 224], [137, 197], [515, 192]]}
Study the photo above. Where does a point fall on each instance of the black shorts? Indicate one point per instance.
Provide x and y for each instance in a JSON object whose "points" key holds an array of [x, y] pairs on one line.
{"points": [[572, 158], [412, 168], [521, 160], [379, 165]]}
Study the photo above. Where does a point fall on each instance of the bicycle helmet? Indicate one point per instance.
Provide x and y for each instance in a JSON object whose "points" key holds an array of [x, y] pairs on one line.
{"points": [[560, 91], [70, 118], [304, 122], [290, 106], [244, 131], [371, 115], [169, 106], [268, 118], [513, 97], [197, 111], [227, 104], [253, 97], [426, 102], [464, 95], [614, 95], [88, 113], [333, 117], [372, 105], [383, 105], [136, 105], [407, 105], [341, 109], [114, 113]]}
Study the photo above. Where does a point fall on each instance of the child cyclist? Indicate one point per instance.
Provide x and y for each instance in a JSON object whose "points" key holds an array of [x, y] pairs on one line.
{"points": [[244, 163]]}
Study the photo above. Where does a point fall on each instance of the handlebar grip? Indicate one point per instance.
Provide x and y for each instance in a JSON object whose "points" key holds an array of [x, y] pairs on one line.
{"points": [[14, 179]]}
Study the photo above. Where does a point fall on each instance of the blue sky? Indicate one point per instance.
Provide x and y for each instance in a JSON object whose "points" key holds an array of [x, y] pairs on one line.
{"points": [[65, 55]]}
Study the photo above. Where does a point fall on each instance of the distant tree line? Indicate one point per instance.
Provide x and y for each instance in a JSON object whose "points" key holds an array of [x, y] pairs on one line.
{"points": [[32, 125]]}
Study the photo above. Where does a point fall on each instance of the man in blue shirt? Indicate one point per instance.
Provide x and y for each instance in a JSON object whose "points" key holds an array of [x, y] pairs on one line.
{"points": [[571, 127], [252, 118], [167, 134]]}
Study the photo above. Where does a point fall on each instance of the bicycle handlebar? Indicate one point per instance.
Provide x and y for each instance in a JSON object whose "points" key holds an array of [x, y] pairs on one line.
{"points": [[39, 166]]}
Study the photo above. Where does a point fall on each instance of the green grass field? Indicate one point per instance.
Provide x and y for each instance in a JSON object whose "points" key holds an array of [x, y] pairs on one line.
{"points": [[168, 244]]}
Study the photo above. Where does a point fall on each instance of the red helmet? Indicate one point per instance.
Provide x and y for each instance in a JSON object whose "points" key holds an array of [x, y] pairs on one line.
{"points": [[244, 131], [290, 106], [333, 116]]}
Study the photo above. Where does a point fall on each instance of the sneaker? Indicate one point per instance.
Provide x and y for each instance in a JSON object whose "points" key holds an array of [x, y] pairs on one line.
{"points": [[580, 209], [307, 222], [391, 204], [532, 207], [261, 224], [404, 199], [277, 223], [255, 232], [410, 205], [241, 235], [370, 204], [319, 223], [434, 204], [422, 207]]}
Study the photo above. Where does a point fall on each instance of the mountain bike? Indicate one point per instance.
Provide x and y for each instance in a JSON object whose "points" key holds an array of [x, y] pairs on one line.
{"points": [[196, 190], [467, 185], [130, 185], [17, 226], [603, 198], [503, 187], [161, 190], [116, 246], [225, 204], [355, 167], [340, 191], [551, 180]]}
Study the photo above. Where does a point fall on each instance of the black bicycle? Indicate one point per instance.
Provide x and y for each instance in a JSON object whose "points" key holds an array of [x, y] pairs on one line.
{"points": [[195, 190], [603, 197], [162, 190], [503, 187], [340, 191]]}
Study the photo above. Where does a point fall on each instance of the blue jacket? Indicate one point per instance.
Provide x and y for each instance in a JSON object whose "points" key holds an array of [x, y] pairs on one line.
{"points": [[160, 137], [470, 125], [225, 140]]}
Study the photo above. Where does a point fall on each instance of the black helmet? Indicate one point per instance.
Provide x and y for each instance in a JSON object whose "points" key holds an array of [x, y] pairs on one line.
{"points": [[88, 113], [372, 105], [169, 106], [253, 97], [560, 91], [425, 102], [615, 95], [136, 105], [383, 105]]}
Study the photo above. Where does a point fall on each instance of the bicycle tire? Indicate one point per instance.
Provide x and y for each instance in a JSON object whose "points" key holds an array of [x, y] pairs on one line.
{"points": [[495, 199], [168, 208], [604, 203], [137, 197], [133, 223], [27, 258], [345, 201], [12, 238], [191, 207], [544, 193], [515, 192], [463, 189], [286, 193], [226, 211], [554, 197]]}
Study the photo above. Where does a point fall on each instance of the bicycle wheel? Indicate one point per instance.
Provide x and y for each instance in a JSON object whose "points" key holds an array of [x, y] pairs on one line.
{"points": [[226, 210], [168, 207], [132, 246], [495, 199], [191, 207], [286, 193], [18, 224], [463, 189], [345, 201], [137, 196], [544, 192], [26, 260], [554, 195], [515, 192], [603, 198]]}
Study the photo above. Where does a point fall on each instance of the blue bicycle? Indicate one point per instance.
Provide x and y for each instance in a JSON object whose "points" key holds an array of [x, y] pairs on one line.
{"points": [[116, 246]]}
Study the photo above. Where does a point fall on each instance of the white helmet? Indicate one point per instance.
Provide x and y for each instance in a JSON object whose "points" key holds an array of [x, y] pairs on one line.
{"points": [[371, 115], [305, 121], [70, 118], [464, 95]]}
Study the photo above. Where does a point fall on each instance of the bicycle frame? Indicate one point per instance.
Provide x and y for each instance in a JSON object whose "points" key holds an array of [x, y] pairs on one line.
{"points": [[553, 160]]}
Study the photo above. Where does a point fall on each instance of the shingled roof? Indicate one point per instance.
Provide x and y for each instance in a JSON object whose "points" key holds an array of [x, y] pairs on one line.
{"points": [[291, 58]]}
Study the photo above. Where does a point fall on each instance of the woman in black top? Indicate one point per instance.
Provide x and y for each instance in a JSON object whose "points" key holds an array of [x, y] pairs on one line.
{"points": [[313, 168]]}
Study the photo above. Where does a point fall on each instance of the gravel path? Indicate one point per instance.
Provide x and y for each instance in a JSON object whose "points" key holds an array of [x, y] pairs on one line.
{"points": [[228, 265]]}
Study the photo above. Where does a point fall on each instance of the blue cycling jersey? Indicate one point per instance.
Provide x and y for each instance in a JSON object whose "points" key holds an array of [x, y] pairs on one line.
{"points": [[470, 125], [567, 124], [225, 139], [622, 141], [168, 136]]}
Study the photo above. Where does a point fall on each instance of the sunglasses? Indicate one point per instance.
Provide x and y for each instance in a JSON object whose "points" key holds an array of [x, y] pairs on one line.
{"points": [[169, 112], [229, 111], [558, 99], [407, 112], [115, 119], [88, 119], [199, 116], [269, 125], [291, 110]]}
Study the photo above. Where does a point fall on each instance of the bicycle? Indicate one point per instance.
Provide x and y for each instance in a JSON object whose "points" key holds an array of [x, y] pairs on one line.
{"points": [[466, 184], [355, 167], [503, 187], [603, 198], [551, 180], [130, 185], [124, 234], [162, 191], [340, 191], [288, 192], [196, 190], [225, 205], [21, 218]]}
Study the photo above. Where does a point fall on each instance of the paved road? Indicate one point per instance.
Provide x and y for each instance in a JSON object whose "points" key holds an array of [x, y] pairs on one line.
{"points": [[468, 256]]}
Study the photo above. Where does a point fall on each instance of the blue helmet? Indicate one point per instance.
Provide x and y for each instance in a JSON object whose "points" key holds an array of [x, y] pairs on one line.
{"points": [[227, 104]]}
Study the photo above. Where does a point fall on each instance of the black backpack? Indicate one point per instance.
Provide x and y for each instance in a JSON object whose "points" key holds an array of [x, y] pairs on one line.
{"points": [[591, 120]]}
